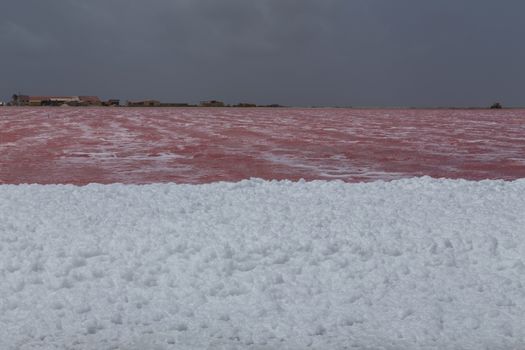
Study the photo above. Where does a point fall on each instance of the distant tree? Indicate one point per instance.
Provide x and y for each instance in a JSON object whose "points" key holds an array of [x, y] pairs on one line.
{"points": [[14, 98], [496, 105]]}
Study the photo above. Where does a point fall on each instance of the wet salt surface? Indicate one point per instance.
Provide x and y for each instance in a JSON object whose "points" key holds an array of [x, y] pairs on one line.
{"points": [[103, 145], [408, 264]]}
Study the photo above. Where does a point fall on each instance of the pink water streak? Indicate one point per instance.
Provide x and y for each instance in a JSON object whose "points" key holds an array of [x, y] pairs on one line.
{"points": [[193, 145]]}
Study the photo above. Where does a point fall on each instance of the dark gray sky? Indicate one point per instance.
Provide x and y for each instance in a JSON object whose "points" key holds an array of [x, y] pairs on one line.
{"points": [[293, 52]]}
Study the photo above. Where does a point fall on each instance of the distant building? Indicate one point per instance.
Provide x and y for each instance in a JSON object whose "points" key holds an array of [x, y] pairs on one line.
{"points": [[2, 104], [176, 104], [25, 100], [90, 101], [245, 105], [144, 103], [20, 100], [111, 103], [53, 100], [212, 103]]}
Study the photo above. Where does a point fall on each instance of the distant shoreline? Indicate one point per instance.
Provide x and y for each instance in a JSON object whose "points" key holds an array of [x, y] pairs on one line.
{"points": [[274, 107]]}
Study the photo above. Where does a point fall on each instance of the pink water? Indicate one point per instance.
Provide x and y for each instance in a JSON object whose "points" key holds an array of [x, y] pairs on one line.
{"points": [[109, 145]]}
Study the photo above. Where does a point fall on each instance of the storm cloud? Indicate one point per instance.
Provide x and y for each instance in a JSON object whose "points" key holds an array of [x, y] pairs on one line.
{"points": [[293, 52]]}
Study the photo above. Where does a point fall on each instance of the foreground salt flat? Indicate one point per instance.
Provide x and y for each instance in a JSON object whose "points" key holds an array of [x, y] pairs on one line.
{"points": [[409, 264]]}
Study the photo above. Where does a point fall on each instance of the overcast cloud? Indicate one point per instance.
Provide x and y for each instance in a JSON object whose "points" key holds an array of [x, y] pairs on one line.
{"points": [[293, 52]]}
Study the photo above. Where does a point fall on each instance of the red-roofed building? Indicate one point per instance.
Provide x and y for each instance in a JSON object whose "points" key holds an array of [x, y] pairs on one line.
{"points": [[90, 101]]}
